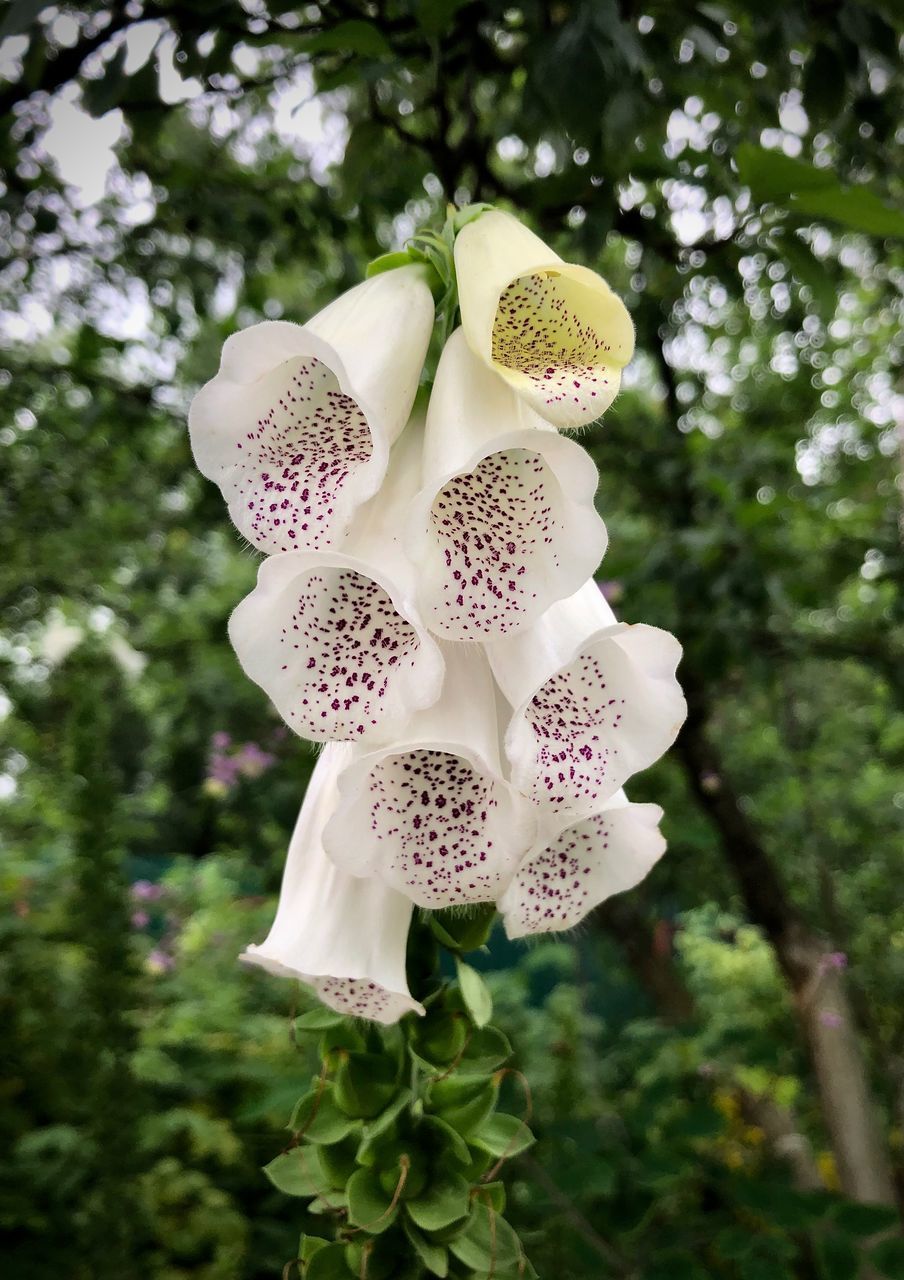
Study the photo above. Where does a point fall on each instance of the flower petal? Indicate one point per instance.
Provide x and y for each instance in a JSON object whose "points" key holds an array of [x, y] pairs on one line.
{"points": [[594, 701], [505, 522], [344, 937], [333, 636], [578, 866], [431, 814], [555, 331], [297, 424]]}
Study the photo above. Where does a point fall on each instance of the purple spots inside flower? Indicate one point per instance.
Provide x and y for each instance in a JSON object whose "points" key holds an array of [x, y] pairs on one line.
{"points": [[539, 333], [498, 528], [439, 851], [293, 465], [554, 890], [360, 998], [345, 649], [574, 720]]}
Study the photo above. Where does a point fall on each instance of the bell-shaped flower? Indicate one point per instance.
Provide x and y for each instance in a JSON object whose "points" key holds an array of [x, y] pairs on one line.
{"points": [[554, 330], [505, 522], [345, 938], [431, 815], [594, 701], [297, 425], [334, 636], [577, 865]]}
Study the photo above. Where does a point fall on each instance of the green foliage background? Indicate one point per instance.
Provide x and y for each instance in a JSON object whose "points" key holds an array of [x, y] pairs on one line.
{"points": [[735, 171]]}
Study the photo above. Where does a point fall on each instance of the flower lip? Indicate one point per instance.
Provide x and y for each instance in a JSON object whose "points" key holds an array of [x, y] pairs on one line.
{"points": [[296, 426], [594, 701], [576, 865], [337, 646], [431, 814], [504, 523], [344, 937]]}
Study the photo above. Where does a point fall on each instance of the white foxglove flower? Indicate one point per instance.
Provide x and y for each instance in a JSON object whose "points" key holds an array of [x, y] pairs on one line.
{"points": [[344, 937], [431, 814], [594, 701], [297, 425], [505, 522], [554, 330], [578, 865], [334, 636]]}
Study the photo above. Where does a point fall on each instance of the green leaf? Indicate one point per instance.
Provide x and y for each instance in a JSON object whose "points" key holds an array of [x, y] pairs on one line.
{"points": [[368, 1204], [801, 188], [319, 1119], [297, 1173], [328, 1264], [475, 993], [434, 16], [309, 1245], [435, 1257], [319, 1019], [353, 36], [440, 1037], [488, 1243], [503, 1135], [443, 1202], [365, 1084]]}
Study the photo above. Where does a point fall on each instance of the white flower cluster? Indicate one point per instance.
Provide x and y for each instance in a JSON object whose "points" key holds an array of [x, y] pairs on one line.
{"points": [[427, 607]]}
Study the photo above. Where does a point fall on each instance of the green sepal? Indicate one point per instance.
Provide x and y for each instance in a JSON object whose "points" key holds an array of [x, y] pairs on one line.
{"points": [[475, 993], [365, 1085], [503, 1136], [319, 1019], [435, 1257], [317, 1117], [368, 1203], [440, 1037], [463, 929], [309, 1245], [493, 1194], [444, 1202], [380, 1127], [334, 1201], [448, 1141], [469, 213], [486, 1050], [339, 1161], [488, 1244], [389, 262], [343, 1037], [297, 1173], [328, 1264], [464, 1102]]}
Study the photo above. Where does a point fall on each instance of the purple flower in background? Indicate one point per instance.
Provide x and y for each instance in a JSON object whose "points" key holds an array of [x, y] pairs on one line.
{"points": [[140, 919], [833, 960], [225, 766], [146, 891], [160, 961], [829, 1018]]}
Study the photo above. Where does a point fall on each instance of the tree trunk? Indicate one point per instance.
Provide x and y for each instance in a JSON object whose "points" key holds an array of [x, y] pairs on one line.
{"points": [[822, 1004]]}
